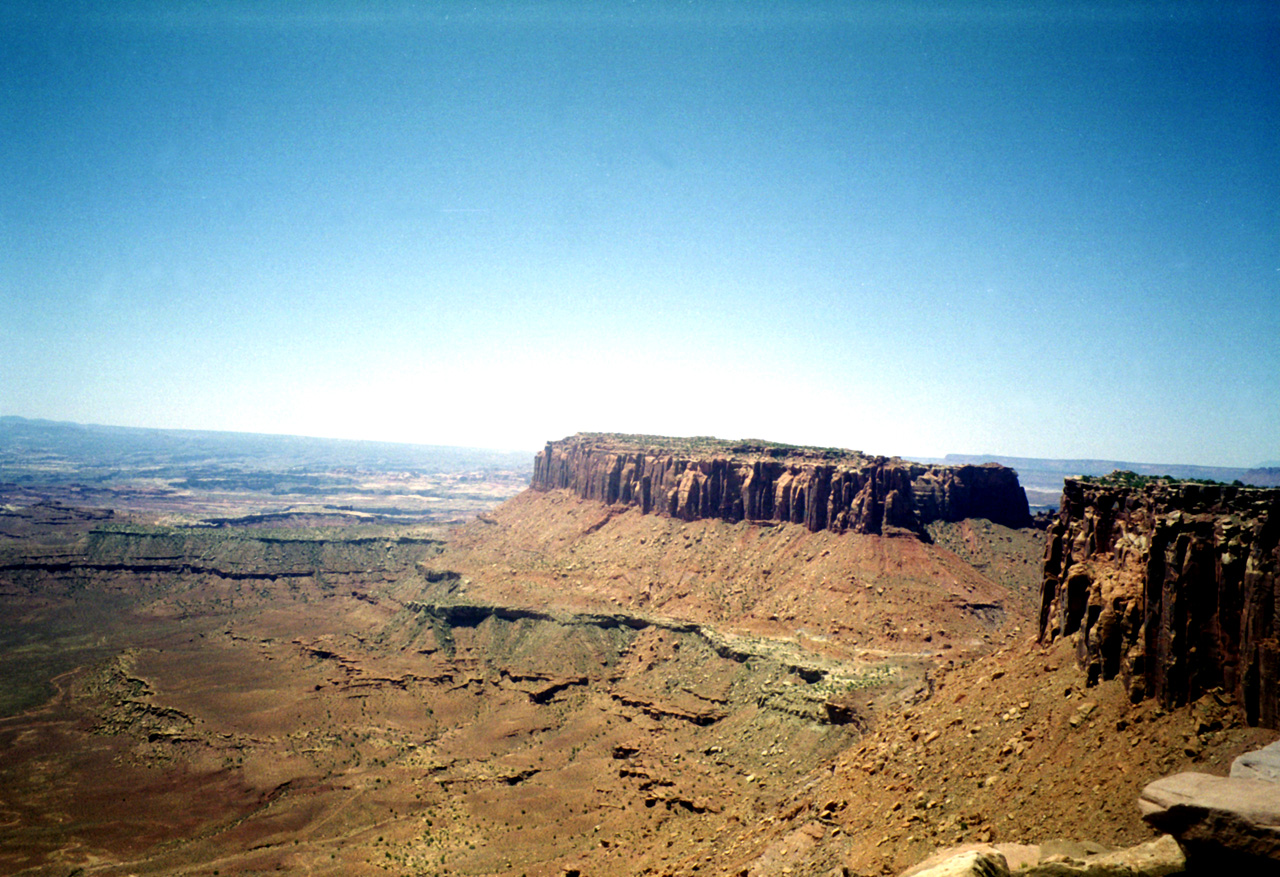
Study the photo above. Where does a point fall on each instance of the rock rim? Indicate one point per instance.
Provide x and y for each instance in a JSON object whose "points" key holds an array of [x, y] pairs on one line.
{"points": [[1172, 587], [820, 488]]}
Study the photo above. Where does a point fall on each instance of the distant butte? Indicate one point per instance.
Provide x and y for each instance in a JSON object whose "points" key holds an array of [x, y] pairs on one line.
{"points": [[821, 488]]}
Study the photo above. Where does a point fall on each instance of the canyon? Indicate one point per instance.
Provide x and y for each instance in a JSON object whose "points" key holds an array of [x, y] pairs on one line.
{"points": [[784, 660]]}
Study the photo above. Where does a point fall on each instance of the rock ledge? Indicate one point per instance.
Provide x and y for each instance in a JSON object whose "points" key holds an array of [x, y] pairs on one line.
{"points": [[821, 488]]}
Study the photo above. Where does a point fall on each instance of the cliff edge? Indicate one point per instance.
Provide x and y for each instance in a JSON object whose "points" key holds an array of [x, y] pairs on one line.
{"points": [[1174, 587], [821, 488]]}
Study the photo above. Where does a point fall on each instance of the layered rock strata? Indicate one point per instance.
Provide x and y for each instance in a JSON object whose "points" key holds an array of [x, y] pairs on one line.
{"points": [[1173, 587], [1158, 858], [822, 489]]}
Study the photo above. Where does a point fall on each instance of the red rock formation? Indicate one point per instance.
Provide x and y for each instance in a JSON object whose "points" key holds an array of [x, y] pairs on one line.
{"points": [[1174, 587], [820, 488]]}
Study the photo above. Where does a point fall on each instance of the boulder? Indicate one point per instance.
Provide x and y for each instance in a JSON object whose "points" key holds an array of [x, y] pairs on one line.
{"points": [[1019, 856], [1157, 858], [1215, 816], [1261, 764], [980, 862]]}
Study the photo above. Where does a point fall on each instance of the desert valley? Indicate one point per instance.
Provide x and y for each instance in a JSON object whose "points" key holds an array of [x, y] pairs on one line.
{"points": [[632, 655]]}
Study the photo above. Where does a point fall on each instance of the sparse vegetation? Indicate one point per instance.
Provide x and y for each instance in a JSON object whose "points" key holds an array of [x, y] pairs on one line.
{"points": [[709, 445], [562, 681], [1125, 478]]}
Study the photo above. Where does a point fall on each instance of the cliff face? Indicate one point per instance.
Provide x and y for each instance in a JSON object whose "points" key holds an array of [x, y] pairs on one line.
{"points": [[1172, 587], [822, 489]]}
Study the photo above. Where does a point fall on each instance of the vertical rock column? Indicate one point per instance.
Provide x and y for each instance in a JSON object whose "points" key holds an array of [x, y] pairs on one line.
{"points": [[818, 488], [1171, 587]]}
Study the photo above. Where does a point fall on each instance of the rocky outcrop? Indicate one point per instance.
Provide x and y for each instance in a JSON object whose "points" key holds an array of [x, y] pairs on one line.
{"points": [[969, 863], [1158, 858], [1260, 764], [129, 555], [820, 488], [1173, 587], [1228, 820], [826, 696]]}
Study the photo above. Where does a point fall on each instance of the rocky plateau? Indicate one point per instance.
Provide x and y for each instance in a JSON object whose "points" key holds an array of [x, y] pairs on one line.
{"points": [[842, 491]]}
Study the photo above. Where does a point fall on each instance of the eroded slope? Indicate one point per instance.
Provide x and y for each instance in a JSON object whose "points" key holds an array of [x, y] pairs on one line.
{"points": [[840, 592], [562, 685]]}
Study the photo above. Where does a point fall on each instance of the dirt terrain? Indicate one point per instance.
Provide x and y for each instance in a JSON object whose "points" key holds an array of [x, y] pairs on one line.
{"points": [[772, 579], [556, 686]]}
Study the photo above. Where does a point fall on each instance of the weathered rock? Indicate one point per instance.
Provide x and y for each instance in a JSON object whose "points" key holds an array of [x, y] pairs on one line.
{"points": [[1019, 856], [1158, 858], [1172, 587], [1058, 858], [1211, 815], [828, 489], [981, 862], [1065, 848], [1261, 764]]}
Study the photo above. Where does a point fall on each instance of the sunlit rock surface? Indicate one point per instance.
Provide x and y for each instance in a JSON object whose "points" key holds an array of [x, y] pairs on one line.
{"points": [[1171, 586], [821, 488]]}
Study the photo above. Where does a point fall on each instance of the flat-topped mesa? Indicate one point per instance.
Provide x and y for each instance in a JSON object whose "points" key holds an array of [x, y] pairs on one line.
{"points": [[821, 488], [1173, 587]]}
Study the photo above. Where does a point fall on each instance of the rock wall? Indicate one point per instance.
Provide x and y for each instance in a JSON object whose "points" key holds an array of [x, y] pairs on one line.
{"points": [[1173, 587], [821, 489], [135, 550]]}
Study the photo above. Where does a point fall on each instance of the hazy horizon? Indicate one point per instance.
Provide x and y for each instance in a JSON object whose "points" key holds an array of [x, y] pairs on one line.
{"points": [[1035, 230], [956, 457]]}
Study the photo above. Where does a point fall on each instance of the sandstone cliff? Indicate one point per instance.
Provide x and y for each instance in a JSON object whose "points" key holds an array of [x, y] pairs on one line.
{"points": [[1171, 586], [821, 488]]}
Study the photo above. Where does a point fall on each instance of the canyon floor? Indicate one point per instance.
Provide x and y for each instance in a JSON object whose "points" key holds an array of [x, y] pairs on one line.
{"points": [[556, 686]]}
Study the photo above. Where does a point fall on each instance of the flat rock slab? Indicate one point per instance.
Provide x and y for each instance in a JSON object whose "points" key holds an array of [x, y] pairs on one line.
{"points": [[1260, 764], [980, 862], [1232, 813], [1158, 858]]}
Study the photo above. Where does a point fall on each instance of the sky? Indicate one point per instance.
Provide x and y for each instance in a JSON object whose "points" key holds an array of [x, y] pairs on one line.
{"points": [[1031, 229]]}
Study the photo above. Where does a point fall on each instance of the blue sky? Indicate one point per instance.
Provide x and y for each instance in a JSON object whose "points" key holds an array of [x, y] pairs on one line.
{"points": [[908, 228]]}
